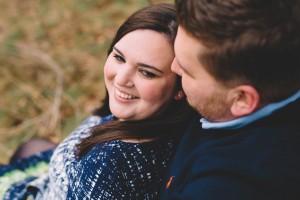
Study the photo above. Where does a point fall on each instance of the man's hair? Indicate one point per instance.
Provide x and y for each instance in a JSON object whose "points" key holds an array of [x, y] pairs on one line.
{"points": [[254, 42]]}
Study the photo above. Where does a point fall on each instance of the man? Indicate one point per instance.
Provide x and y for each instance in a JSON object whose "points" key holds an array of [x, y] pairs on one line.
{"points": [[240, 67]]}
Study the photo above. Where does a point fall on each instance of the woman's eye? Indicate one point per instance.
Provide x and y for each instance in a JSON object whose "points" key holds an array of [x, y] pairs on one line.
{"points": [[148, 74], [119, 58]]}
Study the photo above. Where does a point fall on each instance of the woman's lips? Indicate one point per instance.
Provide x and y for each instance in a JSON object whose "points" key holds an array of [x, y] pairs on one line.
{"points": [[124, 95]]}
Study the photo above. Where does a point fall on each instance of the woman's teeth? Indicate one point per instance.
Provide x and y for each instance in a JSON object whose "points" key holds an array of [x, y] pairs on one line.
{"points": [[124, 96]]}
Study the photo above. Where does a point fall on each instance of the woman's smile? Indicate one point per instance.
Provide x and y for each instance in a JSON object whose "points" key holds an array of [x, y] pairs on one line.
{"points": [[124, 95], [139, 79]]}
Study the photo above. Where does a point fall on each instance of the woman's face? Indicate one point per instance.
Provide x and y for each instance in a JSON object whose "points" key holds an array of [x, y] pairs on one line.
{"points": [[138, 75]]}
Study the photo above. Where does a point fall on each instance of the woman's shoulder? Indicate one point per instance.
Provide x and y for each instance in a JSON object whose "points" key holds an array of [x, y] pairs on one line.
{"points": [[128, 147], [125, 166], [83, 130], [65, 151], [96, 120], [120, 153]]}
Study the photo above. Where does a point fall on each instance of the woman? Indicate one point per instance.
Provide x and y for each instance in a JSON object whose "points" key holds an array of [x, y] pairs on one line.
{"points": [[122, 151]]}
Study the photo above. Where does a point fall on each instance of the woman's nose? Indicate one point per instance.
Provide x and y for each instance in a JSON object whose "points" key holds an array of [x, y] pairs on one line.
{"points": [[124, 77]]}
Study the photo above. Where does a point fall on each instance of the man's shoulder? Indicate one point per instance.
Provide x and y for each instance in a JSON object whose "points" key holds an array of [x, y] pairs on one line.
{"points": [[261, 156], [239, 149]]}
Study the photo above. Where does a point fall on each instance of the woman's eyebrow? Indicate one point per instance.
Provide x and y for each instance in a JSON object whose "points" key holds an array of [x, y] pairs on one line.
{"points": [[149, 66], [140, 64], [117, 50]]}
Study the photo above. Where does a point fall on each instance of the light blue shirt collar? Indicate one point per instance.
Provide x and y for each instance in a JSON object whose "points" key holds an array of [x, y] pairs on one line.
{"points": [[243, 121]]}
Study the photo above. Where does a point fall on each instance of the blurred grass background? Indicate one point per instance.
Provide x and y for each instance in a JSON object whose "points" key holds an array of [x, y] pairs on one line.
{"points": [[51, 58]]}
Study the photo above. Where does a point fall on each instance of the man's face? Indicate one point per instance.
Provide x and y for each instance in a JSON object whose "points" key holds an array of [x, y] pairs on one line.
{"points": [[203, 92]]}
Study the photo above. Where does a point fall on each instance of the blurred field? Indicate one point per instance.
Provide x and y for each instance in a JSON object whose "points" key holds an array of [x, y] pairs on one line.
{"points": [[51, 58]]}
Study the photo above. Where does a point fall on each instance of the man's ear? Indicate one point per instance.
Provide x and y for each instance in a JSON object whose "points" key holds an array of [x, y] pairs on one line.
{"points": [[245, 100], [179, 95]]}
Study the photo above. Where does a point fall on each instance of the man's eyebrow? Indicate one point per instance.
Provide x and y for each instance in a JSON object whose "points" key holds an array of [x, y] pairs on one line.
{"points": [[117, 50]]}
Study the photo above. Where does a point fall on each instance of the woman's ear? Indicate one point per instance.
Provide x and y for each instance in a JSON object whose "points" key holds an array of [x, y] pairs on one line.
{"points": [[179, 95], [246, 100]]}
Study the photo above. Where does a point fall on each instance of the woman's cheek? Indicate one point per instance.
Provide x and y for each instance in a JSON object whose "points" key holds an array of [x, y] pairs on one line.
{"points": [[109, 71], [152, 93]]}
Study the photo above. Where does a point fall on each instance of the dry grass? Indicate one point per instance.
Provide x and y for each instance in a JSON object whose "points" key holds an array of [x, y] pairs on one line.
{"points": [[51, 55]]}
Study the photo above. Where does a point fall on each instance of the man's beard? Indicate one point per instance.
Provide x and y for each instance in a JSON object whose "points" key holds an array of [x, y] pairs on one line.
{"points": [[214, 109]]}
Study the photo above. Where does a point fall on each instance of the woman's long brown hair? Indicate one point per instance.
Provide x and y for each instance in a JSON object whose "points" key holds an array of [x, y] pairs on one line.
{"points": [[172, 118]]}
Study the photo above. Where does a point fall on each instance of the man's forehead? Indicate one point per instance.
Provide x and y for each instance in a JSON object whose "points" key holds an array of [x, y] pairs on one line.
{"points": [[187, 48]]}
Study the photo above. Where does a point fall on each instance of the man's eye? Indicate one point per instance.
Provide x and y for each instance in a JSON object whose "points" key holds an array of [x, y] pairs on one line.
{"points": [[119, 58], [148, 74]]}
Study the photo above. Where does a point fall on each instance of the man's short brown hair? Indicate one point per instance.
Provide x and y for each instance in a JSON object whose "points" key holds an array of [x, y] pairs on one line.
{"points": [[254, 42]]}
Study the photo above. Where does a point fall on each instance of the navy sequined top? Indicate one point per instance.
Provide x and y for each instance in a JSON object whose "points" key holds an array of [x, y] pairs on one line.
{"points": [[112, 170]]}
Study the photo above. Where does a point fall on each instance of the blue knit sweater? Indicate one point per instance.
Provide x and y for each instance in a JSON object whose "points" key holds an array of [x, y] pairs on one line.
{"points": [[112, 170]]}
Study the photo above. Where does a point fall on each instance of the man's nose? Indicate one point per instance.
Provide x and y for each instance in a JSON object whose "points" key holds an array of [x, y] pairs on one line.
{"points": [[175, 67]]}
